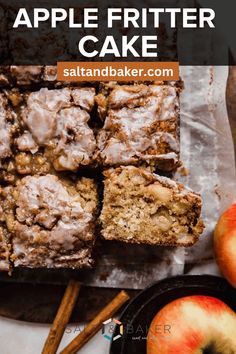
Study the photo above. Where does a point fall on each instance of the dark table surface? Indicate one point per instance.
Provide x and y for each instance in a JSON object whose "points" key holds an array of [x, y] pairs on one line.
{"points": [[38, 303]]}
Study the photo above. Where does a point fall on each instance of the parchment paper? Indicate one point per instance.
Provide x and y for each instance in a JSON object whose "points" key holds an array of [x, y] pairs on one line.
{"points": [[207, 152]]}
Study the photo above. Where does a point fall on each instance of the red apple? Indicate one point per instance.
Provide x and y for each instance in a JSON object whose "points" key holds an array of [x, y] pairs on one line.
{"points": [[196, 324], [225, 244]]}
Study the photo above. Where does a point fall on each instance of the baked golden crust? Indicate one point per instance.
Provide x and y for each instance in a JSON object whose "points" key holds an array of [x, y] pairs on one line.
{"points": [[142, 207], [51, 221], [141, 125]]}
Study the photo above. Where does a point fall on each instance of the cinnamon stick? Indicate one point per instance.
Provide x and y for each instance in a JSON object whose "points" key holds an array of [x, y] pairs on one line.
{"points": [[62, 317], [93, 327]]}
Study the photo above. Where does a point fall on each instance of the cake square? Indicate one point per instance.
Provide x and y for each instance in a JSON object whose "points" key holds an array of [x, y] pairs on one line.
{"points": [[21, 75], [5, 128], [142, 207], [5, 237], [49, 130], [29, 76], [141, 125], [51, 221], [8, 127], [5, 248], [25, 75]]}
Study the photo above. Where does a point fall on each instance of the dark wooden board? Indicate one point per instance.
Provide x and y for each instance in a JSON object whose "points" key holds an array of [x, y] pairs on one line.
{"points": [[38, 303]]}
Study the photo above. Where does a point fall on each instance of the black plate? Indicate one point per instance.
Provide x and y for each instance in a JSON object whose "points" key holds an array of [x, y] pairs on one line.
{"points": [[138, 315]]}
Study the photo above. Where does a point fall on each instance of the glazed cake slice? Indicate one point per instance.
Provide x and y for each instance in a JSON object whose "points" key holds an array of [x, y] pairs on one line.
{"points": [[8, 127], [141, 125], [5, 249], [5, 237], [51, 221], [5, 128], [142, 207], [21, 75], [51, 129], [29, 76]]}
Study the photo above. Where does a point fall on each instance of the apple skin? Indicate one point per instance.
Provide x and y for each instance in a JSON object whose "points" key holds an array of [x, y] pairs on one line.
{"points": [[196, 323], [225, 244]]}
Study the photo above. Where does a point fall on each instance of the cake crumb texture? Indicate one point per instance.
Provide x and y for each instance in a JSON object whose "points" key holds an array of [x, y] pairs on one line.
{"points": [[142, 207]]}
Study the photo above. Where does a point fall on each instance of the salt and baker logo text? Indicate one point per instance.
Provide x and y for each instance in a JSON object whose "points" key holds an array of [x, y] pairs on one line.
{"points": [[113, 329]]}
